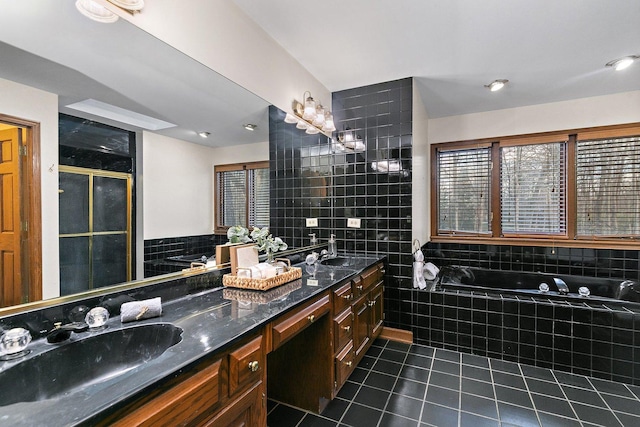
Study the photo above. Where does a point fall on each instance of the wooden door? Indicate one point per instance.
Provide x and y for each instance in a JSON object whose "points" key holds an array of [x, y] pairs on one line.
{"points": [[10, 218]]}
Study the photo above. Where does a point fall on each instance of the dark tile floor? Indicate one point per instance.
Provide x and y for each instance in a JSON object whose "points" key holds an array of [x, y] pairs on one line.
{"points": [[401, 385]]}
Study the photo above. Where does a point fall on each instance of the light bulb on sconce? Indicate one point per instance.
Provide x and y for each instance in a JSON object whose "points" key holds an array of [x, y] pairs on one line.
{"points": [[311, 116]]}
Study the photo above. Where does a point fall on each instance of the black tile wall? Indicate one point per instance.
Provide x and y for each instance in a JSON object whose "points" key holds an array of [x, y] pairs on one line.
{"points": [[310, 179], [156, 251], [594, 339]]}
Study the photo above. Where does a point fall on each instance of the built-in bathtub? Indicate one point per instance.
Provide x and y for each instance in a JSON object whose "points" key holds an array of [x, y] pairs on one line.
{"points": [[537, 283]]}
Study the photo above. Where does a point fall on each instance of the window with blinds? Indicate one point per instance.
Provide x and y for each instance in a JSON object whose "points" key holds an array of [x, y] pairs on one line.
{"points": [[608, 187], [532, 189], [242, 195], [463, 191]]}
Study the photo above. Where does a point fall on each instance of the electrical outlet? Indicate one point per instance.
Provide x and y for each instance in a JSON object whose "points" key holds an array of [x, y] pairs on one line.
{"points": [[353, 222], [312, 222]]}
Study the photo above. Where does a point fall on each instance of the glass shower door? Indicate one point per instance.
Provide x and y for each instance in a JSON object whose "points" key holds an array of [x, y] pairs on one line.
{"points": [[95, 229]]}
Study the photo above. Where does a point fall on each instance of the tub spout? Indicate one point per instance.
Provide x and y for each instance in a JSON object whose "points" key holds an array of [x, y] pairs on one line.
{"points": [[561, 285]]}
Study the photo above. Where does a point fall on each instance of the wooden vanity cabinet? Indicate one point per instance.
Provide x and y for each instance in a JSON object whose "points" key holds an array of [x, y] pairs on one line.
{"points": [[226, 391], [357, 323]]}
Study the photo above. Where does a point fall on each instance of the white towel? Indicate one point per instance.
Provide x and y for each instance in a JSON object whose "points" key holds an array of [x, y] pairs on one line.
{"points": [[138, 310]]}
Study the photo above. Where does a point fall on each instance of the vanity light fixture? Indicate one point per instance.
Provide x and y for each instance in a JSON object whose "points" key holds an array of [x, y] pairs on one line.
{"points": [[622, 63], [250, 126], [496, 84], [311, 116], [97, 12], [204, 134]]}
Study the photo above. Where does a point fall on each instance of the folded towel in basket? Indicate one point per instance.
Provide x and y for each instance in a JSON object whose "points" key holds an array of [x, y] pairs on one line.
{"points": [[138, 310]]}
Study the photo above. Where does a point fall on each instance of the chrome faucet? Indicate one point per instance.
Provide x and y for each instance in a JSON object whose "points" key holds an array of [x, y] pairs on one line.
{"points": [[561, 285], [62, 332]]}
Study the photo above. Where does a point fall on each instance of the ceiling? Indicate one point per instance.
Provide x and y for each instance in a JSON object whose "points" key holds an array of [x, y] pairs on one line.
{"points": [[121, 65], [549, 50]]}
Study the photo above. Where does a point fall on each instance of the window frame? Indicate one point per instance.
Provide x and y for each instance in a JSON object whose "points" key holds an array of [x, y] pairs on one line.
{"points": [[568, 239], [217, 203]]}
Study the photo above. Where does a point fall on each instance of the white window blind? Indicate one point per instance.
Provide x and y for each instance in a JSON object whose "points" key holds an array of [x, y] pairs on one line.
{"points": [[243, 197], [608, 187], [532, 188], [259, 200], [464, 178]]}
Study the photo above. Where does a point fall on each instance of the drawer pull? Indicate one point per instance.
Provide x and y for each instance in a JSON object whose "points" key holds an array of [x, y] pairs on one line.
{"points": [[347, 297], [359, 287], [254, 366], [311, 318], [383, 271], [372, 303], [349, 363], [347, 328]]}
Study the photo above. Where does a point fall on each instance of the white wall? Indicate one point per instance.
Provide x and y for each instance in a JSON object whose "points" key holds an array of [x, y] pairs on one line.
{"points": [[578, 113], [177, 183], [33, 104], [219, 35], [420, 187]]}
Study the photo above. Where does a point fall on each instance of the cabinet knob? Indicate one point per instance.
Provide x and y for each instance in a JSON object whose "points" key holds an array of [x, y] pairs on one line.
{"points": [[372, 303], [383, 271], [347, 297], [311, 318], [359, 287], [349, 363], [254, 366], [347, 328]]}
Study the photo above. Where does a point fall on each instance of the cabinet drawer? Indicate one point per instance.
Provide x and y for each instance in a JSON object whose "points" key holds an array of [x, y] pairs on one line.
{"points": [[344, 364], [369, 278], [343, 329], [342, 297], [299, 319], [246, 365], [192, 399]]}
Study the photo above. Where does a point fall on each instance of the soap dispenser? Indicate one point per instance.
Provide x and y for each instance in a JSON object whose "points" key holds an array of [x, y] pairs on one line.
{"points": [[314, 240], [333, 249]]}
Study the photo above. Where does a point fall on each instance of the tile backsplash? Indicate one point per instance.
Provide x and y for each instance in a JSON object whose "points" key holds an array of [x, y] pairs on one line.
{"points": [[313, 178]]}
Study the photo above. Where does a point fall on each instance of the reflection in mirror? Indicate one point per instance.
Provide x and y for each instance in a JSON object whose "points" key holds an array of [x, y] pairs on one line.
{"points": [[118, 65]]}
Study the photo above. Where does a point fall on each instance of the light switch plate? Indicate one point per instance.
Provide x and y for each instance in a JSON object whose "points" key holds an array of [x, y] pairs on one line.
{"points": [[312, 222], [353, 222]]}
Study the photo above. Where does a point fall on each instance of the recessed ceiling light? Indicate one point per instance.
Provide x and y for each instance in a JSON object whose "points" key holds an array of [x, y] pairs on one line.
{"points": [[497, 84], [250, 126], [204, 134], [622, 63]]}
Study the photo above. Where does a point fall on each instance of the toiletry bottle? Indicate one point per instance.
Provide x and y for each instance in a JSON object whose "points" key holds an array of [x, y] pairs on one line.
{"points": [[333, 249]]}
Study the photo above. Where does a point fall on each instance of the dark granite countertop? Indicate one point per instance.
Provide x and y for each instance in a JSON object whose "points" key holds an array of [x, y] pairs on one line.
{"points": [[211, 320]]}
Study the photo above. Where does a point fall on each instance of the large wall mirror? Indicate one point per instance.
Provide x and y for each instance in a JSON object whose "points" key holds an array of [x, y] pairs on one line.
{"points": [[51, 47]]}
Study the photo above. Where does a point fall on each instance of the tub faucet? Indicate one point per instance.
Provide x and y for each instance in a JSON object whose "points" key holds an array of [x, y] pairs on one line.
{"points": [[561, 285], [62, 332]]}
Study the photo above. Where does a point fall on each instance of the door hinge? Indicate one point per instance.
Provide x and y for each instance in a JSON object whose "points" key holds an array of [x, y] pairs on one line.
{"points": [[22, 150], [24, 225], [384, 316]]}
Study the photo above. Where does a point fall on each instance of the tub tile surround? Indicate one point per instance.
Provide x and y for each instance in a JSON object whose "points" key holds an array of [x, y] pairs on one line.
{"points": [[414, 385], [595, 339], [156, 251]]}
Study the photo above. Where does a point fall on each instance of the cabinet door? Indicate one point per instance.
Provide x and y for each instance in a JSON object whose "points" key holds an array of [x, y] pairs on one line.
{"points": [[245, 411], [377, 310], [361, 325]]}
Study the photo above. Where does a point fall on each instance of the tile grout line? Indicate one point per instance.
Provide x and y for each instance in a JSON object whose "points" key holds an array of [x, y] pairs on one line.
{"points": [[493, 387], [533, 403], [426, 388], [460, 389], [605, 402], [394, 384]]}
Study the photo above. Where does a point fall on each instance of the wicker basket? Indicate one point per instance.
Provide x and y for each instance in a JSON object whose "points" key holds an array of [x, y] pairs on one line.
{"points": [[261, 297], [234, 281]]}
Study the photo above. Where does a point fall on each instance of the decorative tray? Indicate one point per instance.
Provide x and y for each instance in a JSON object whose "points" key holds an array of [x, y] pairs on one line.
{"points": [[233, 281], [261, 297]]}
